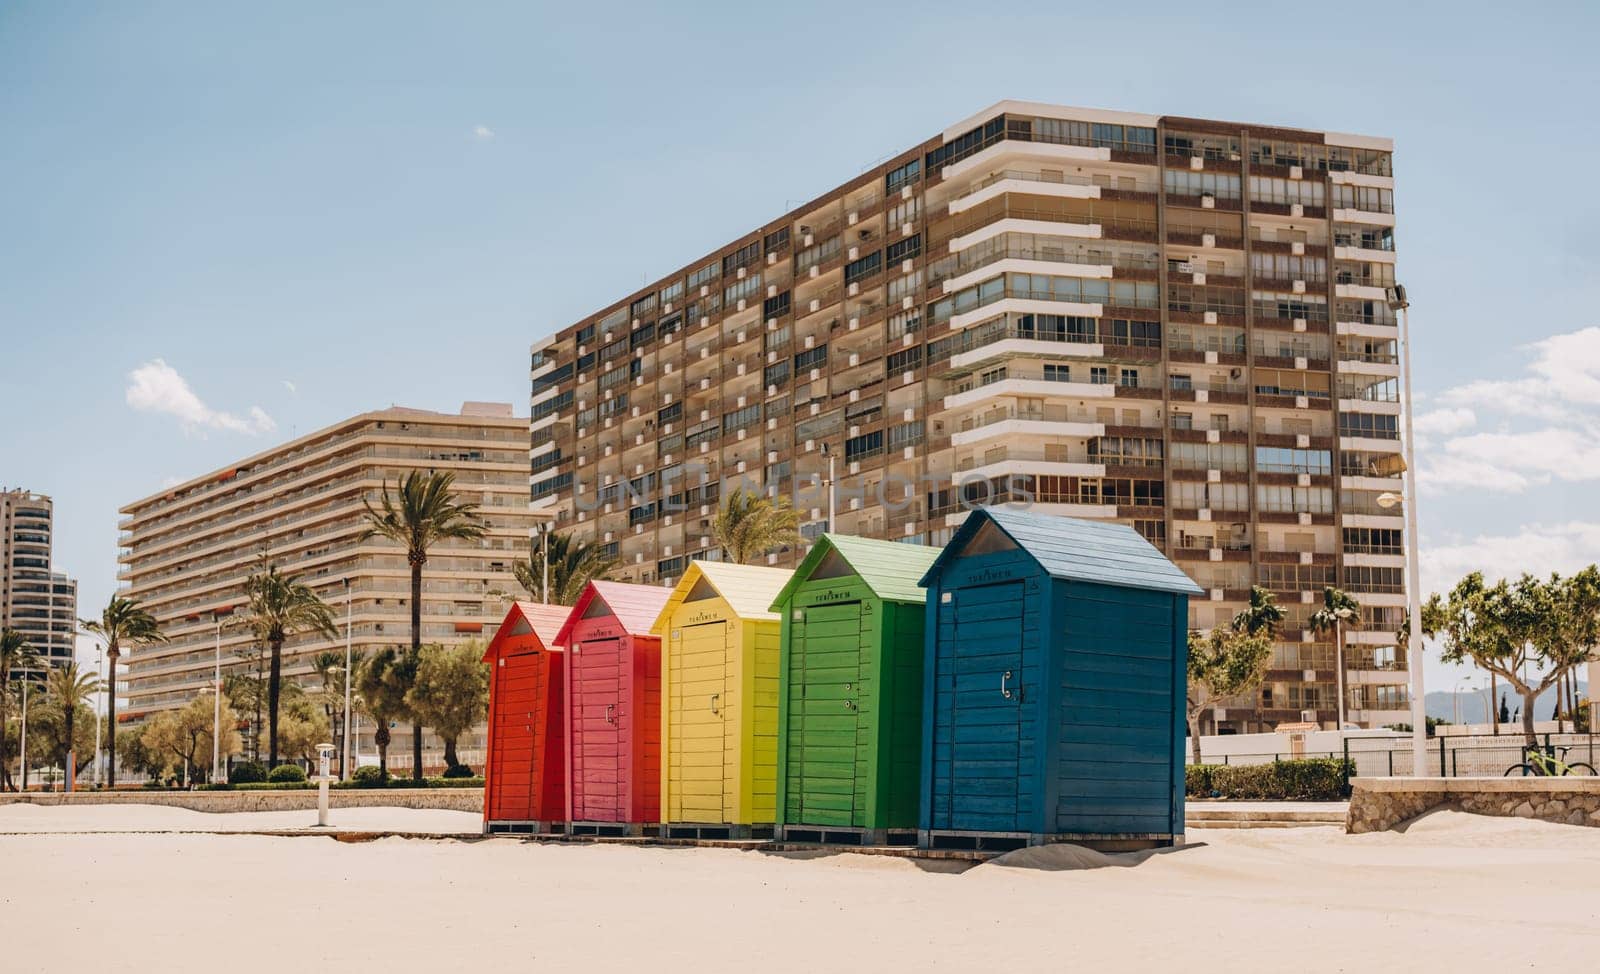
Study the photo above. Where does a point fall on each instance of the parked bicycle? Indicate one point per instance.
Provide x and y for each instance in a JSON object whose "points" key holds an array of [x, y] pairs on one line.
{"points": [[1539, 762]]}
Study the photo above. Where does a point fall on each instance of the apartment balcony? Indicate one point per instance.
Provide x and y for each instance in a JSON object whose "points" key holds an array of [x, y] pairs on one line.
{"points": [[1059, 185], [1003, 461], [1030, 387], [1050, 421]]}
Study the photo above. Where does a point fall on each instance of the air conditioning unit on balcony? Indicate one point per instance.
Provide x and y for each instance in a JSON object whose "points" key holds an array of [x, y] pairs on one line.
{"points": [[1308, 716]]}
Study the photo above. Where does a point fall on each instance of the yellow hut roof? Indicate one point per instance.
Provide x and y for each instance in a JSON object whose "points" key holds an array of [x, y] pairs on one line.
{"points": [[748, 589]]}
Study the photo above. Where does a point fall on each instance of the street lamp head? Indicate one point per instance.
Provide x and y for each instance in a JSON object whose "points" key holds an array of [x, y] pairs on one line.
{"points": [[1397, 298], [1389, 499]]}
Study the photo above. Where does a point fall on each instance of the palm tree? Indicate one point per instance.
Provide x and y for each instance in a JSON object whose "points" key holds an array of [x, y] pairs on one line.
{"points": [[573, 565], [750, 524], [1338, 611], [69, 689], [382, 679], [281, 606], [1265, 615], [15, 654], [121, 621], [422, 511]]}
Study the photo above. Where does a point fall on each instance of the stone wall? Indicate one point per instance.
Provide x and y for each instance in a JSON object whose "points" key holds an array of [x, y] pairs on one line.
{"points": [[1379, 804], [266, 800]]}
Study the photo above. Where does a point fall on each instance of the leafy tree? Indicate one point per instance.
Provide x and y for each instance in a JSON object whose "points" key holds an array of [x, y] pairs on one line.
{"points": [[451, 692], [70, 691], [422, 512], [123, 622], [1339, 612], [281, 606], [56, 737], [1511, 627], [573, 565], [15, 655], [383, 681], [1264, 615], [301, 731], [1223, 663], [184, 735], [136, 755], [750, 524]]}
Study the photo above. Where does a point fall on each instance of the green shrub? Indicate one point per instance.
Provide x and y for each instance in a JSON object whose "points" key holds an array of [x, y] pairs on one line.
{"points": [[458, 771], [275, 786], [370, 776], [248, 772], [285, 773], [1310, 779]]}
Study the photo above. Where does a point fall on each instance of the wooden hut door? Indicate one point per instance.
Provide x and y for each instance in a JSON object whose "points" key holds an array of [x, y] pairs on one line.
{"points": [[519, 695], [701, 702], [985, 714], [599, 762], [825, 712]]}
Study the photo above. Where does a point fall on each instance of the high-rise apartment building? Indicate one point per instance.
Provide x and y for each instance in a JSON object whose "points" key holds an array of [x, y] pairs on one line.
{"points": [[187, 551], [1174, 322], [35, 599]]}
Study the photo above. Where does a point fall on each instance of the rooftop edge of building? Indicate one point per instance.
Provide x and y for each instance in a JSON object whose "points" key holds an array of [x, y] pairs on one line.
{"points": [[493, 413]]}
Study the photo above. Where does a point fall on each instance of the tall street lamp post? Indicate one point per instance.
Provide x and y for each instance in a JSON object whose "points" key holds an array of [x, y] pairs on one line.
{"points": [[216, 702], [349, 676], [99, 660], [1399, 303]]}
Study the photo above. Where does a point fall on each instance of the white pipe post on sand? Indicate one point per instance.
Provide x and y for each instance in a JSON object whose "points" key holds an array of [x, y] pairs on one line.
{"points": [[324, 760]]}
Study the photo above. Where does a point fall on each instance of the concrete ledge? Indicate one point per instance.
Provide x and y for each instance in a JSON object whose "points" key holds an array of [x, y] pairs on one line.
{"points": [[1380, 804], [449, 799]]}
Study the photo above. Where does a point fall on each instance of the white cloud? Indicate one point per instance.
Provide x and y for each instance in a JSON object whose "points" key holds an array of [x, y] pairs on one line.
{"points": [[483, 132], [1535, 548], [156, 387], [290, 386], [1445, 421], [1529, 430]]}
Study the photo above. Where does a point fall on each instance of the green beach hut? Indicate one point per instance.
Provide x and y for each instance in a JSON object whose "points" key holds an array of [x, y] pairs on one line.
{"points": [[850, 692]]}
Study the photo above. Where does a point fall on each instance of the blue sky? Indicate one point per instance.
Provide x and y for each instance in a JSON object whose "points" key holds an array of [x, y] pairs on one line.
{"points": [[224, 224]]}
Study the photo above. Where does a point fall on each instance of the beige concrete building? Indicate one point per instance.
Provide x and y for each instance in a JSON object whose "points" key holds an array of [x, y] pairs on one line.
{"points": [[1179, 323], [35, 599], [187, 551]]}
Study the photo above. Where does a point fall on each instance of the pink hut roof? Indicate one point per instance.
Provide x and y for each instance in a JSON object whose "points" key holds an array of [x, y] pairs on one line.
{"points": [[523, 618], [635, 606]]}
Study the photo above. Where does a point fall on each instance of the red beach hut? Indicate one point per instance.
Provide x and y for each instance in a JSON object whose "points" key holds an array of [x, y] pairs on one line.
{"points": [[525, 772], [614, 709]]}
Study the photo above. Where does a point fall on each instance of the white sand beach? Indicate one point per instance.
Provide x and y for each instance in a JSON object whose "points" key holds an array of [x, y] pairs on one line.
{"points": [[1454, 892]]}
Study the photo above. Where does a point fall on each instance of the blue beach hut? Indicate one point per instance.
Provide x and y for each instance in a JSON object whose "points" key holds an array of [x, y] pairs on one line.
{"points": [[1053, 701]]}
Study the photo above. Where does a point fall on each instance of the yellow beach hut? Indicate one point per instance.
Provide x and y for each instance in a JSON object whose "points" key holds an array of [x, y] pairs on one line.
{"points": [[719, 702]]}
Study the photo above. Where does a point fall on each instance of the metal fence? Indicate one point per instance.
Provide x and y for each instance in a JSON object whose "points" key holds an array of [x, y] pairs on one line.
{"points": [[1457, 756]]}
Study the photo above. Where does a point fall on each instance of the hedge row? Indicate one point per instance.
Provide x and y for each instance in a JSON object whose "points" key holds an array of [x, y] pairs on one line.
{"points": [[1310, 779], [305, 785]]}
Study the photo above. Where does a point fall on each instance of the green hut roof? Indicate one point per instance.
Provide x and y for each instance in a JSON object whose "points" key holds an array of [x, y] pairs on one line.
{"points": [[890, 569]]}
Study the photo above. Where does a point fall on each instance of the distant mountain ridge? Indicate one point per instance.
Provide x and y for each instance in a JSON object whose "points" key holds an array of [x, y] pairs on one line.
{"points": [[1441, 704]]}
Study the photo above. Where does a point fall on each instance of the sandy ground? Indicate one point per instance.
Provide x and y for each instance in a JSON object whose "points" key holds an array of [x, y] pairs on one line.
{"points": [[159, 818], [1454, 892]]}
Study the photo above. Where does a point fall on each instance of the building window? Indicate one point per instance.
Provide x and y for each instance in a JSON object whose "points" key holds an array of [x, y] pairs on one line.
{"points": [[1057, 373], [902, 176], [1099, 375]]}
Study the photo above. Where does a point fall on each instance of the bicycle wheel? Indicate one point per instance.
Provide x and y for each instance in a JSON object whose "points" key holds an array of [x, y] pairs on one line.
{"points": [[1581, 768], [1519, 769]]}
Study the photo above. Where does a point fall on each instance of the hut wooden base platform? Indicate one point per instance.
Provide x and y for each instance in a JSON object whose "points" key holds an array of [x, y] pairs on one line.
{"points": [[714, 830], [996, 842], [833, 835], [615, 830], [524, 828]]}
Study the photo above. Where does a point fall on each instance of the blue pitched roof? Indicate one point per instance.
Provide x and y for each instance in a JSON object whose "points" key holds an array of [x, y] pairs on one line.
{"points": [[1102, 552]]}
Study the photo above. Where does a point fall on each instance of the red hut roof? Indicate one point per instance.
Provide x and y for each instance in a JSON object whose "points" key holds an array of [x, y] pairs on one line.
{"points": [[525, 618], [635, 606]]}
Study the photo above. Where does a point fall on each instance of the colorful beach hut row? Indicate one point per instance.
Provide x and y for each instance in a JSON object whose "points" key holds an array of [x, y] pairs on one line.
{"points": [[1026, 681]]}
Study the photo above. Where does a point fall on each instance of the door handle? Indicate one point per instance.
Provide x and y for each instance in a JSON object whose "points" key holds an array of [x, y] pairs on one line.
{"points": [[1005, 691], [611, 710], [714, 697]]}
